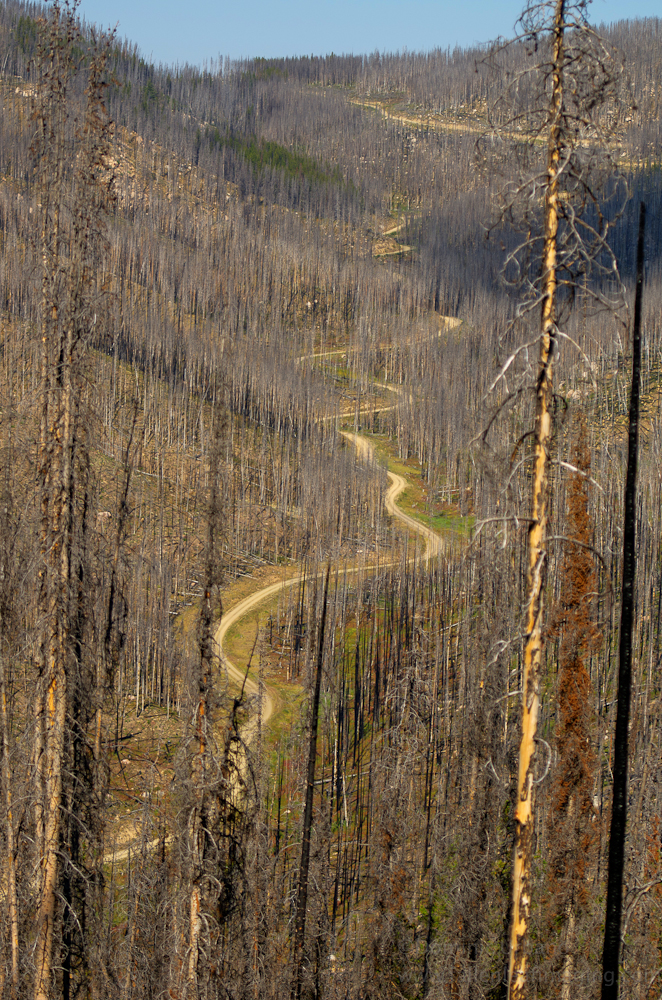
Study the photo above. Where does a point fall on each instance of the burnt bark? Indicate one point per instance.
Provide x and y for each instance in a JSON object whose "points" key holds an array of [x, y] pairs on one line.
{"points": [[614, 907]]}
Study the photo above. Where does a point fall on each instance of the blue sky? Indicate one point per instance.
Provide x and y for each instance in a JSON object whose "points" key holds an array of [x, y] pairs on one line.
{"points": [[171, 31]]}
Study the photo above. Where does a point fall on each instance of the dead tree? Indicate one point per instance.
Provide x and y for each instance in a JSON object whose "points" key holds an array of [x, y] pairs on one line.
{"points": [[205, 804], [70, 149], [613, 916], [302, 888], [564, 102]]}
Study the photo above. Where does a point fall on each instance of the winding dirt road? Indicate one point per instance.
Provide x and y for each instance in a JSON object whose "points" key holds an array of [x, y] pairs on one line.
{"points": [[266, 702], [433, 542], [230, 618]]}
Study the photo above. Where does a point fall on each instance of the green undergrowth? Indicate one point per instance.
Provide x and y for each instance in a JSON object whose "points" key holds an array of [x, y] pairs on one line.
{"points": [[242, 647], [262, 154], [423, 501]]}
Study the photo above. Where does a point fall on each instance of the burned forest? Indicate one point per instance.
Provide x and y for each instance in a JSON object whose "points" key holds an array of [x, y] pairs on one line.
{"points": [[329, 631]]}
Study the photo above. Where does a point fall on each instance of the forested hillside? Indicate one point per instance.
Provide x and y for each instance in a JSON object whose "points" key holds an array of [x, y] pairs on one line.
{"points": [[232, 302]]}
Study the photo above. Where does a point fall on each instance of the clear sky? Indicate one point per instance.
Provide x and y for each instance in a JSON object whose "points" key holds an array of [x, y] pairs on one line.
{"points": [[179, 31]]}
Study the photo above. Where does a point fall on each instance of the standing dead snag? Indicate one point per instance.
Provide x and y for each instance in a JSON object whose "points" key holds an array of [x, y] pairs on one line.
{"points": [[558, 105], [302, 888], [612, 941], [70, 149], [537, 542], [218, 779], [201, 815], [7, 582]]}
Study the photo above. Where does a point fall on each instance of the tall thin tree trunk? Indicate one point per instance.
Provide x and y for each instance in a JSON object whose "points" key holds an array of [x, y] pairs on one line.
{"points": [[612, 941], [12, 897], [567, 973], [57, 561], [302, 891], [50, 703], [198, 835], [54, 745], [537, 546], [70, 161]]}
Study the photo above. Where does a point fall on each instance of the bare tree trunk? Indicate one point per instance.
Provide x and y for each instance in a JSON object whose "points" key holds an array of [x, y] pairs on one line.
{"points": [[56, 552], [302, 891], [567, 973], [9, 834], [55, 721], [612, 941], [51, 702], [198, 834], [70, 150], [537, 547]]}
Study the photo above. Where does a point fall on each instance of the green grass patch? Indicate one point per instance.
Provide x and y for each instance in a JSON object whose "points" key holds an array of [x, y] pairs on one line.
{"points": [[261, 154], [288, 712], [421, 500]]}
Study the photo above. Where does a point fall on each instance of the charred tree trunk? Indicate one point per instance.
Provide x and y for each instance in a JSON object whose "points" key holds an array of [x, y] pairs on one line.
{"points": [[612, 942], [71, 162], [302, 891], [12, 896], [198, 833]]}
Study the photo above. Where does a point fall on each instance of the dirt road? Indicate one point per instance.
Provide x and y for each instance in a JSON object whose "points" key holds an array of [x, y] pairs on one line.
{"points": [[433, 547], [265, 701], [433, 542]]}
